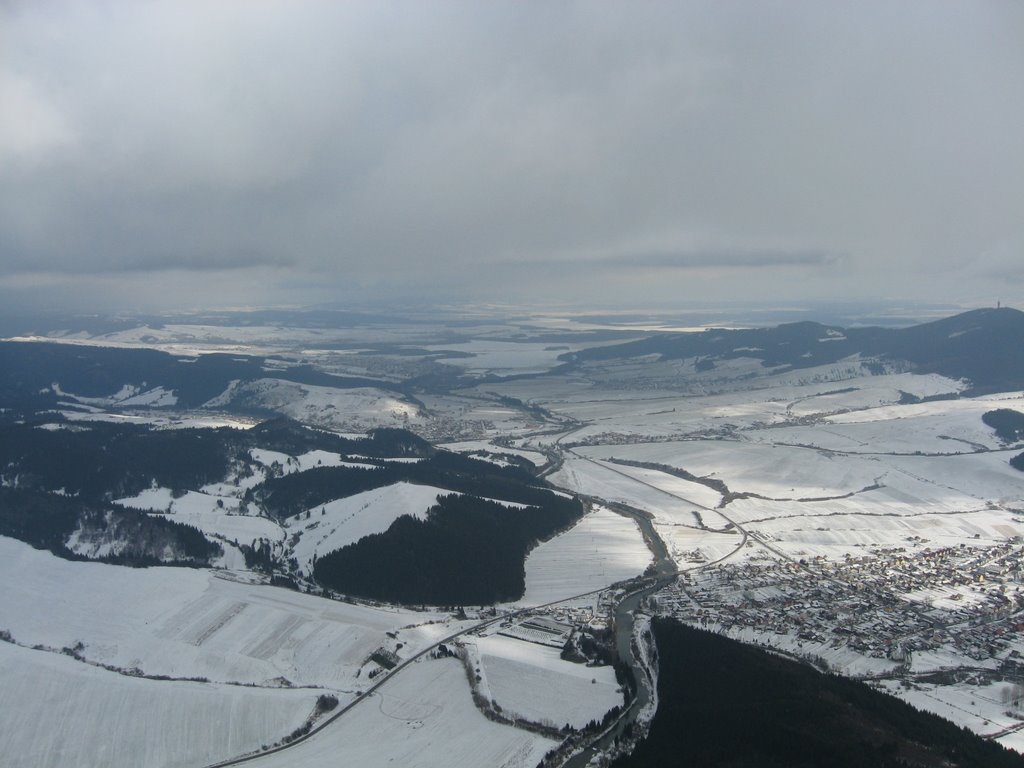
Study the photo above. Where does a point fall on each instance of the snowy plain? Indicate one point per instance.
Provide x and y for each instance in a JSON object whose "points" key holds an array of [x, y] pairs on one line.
{"points": [[425, 717], [599, 550], [58, 712], [532, 681], [184, 622]]}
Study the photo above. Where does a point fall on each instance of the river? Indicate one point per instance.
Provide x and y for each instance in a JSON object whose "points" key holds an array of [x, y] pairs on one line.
{"points": [[664, 573]]}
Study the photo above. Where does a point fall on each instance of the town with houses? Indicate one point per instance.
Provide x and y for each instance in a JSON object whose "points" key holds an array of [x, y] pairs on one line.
{"points": [[906, 609]]}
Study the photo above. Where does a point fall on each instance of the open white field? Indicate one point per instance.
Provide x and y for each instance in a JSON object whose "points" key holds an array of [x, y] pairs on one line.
{"points": [[425, 718], [532, 681], [983, 477], [308, 460], [214, 515], [59, 712], [773, 471], [475, 446], [345, 521], [158, 420], [838, 535], [184, 622], [665, 416], [639, 399], [691, 491], [887, 501], [695, 548], [184, 338], [599, 550], [241, 528], [943, 427], [979, 708], [694, 534], [875, 391], [608, 483]]}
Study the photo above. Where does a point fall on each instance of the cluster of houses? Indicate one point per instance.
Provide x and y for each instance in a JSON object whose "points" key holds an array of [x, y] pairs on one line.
{"points": [[965, 600]]}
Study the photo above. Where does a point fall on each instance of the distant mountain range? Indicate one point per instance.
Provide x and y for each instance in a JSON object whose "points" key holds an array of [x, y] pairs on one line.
{"points": [[29, 369], [983, 346]]}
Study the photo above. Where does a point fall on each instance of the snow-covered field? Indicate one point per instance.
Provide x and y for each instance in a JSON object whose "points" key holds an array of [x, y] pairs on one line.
{"points": [[836, 536], [777, 471], [184, 622], [666, 400], [58, 712], [609, 483], [679, 507], [309, 460], [476, 446], [159, 420], [979, 708], [202, 511], [425, 717], [599, 550], [127, 397], [350, 410], [345, 521], [532, 681]]}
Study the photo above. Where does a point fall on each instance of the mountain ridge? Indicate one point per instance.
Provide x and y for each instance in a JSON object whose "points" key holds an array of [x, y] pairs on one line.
{"points": [[981, 346]]}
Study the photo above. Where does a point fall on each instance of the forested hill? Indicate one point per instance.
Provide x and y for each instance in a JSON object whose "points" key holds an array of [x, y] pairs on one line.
{"points": [[68, 487], [723, 703], [104, 461], [468, 551], [291, 494], [29, 369], [983, 346], [58, 481]]}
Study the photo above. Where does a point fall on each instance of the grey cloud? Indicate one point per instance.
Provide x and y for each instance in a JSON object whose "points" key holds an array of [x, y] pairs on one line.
{"points": [[444, 148], [682, 258], [727, 259]]}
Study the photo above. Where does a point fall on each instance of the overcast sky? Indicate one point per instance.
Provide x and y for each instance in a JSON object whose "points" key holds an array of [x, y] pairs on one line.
{"points": [[175, 154]]}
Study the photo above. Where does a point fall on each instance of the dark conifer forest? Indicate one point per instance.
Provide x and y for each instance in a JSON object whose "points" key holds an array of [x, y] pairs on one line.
{"points": [[724, 703], [468, 550]]}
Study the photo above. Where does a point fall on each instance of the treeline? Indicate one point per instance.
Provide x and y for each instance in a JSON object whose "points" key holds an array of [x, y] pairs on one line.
{"points": [[99, 460], [59, 477], [467, 551], [28, 369], [288, 436], [109, 461], [46, 521], [723, 703], [298, 492], [1008, 424]]}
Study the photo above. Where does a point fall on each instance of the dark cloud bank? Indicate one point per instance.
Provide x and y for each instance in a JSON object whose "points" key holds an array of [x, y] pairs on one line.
{"points": [[198, 154]]}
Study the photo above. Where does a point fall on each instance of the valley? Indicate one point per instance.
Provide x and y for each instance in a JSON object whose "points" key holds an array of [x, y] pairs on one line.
{"points": [[847, 508]]}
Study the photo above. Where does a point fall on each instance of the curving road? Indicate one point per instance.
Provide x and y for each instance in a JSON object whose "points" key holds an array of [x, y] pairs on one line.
{"points": [[391, 675], [665, 572]]}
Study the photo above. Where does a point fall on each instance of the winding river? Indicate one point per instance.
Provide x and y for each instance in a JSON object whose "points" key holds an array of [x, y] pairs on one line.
{"points": [[664, 573]]}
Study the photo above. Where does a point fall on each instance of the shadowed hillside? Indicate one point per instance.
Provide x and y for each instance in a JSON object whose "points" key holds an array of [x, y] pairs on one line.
{"points": [[983, 346], [723, 703]]}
